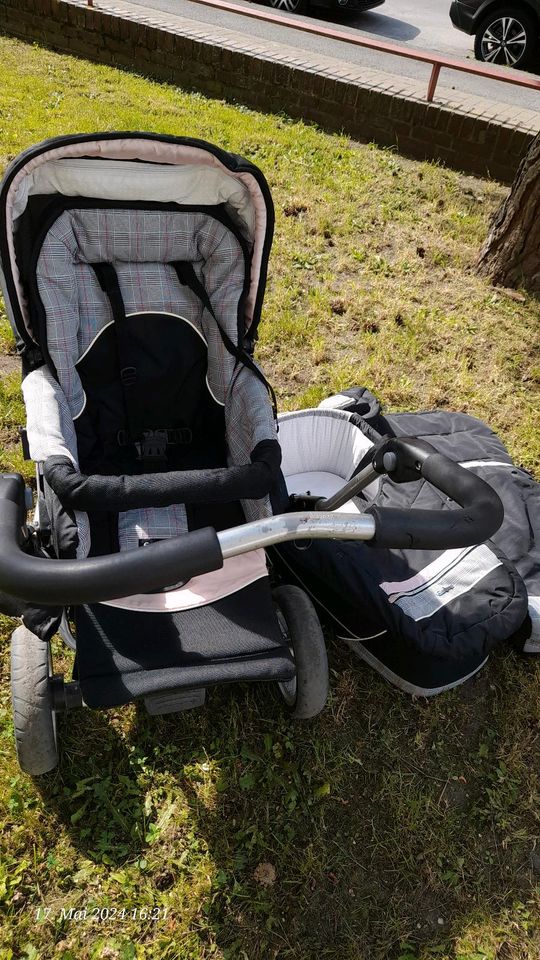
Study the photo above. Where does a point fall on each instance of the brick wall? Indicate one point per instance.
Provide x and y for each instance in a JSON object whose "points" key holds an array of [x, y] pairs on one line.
{"points": [[170, 51]]}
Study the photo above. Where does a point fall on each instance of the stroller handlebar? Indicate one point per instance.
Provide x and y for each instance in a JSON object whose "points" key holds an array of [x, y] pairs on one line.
{"points": [[46, 581], [407, 458], [51, 582], [43, 580]]}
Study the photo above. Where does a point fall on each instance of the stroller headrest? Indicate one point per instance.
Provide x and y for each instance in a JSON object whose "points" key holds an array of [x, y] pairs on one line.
{"points": [[137, 168]]}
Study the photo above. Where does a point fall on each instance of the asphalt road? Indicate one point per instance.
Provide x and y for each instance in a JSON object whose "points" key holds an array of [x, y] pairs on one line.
{"points": [[424, 24]]}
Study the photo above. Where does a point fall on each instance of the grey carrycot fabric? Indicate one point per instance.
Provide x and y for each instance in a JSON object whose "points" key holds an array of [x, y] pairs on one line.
{"points": [[480, 449], [451, 602]]}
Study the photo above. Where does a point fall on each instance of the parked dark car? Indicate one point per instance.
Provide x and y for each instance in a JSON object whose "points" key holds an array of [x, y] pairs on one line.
{"points": [[303, 6], [505, 33]]}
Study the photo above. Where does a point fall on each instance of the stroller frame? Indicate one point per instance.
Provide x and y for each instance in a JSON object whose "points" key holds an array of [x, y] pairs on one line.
{"points": [[46, 206]]}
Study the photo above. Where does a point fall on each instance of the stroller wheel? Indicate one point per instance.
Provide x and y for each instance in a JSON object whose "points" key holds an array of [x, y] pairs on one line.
{"points": [[305, 695], [33, 716]]}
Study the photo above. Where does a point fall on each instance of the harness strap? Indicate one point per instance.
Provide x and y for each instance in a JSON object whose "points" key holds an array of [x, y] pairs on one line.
{"points": [[151, 445], [188, 278], [108, 281]]}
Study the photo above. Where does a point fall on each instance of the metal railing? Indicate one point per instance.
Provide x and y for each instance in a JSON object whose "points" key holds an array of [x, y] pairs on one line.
{"points": [[505, 75]]}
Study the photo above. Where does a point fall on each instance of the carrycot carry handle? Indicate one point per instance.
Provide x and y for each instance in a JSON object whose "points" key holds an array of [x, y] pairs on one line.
{"points": [[407, 458], [52, 582]]}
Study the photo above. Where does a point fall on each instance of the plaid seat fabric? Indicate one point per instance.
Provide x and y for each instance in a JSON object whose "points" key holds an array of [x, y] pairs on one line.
{"points": [[142, 245]]}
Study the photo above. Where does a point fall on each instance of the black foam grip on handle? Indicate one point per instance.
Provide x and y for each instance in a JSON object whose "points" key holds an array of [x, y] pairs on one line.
{"points": [[250, 481], [50, 582], [480, 516]]}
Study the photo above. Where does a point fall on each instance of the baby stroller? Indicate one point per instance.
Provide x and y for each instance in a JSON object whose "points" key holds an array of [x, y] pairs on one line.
{"points": [[134, 269]]}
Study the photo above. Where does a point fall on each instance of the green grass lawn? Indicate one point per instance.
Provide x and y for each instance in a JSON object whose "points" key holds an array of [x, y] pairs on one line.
{"points": [[387, 829]]}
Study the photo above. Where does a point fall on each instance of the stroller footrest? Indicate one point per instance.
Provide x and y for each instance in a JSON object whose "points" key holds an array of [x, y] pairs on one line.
{"points": [[125, 655], [174, 701]]}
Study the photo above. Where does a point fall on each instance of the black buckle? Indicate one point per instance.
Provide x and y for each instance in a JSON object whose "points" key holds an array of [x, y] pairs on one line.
{"points": [[24, 443], [153, 445], [178, 435], [128, 376]]}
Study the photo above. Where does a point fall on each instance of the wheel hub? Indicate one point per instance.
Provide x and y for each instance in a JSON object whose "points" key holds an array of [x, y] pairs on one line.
{"points": [[289, 5], [504, 42]]}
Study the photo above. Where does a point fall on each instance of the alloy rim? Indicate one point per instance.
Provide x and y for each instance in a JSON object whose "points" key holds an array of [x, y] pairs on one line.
{"points": [[504, 42], [289, 5]]}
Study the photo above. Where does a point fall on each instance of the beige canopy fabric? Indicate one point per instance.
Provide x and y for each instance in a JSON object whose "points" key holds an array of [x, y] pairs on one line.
{"points": [[138, 168]]}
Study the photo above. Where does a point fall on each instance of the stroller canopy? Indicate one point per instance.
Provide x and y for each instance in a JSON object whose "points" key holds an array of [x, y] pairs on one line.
{"points": [[189, 176]]}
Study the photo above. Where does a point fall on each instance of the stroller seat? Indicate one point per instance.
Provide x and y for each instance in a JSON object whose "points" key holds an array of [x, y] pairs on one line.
{"points": [[149, 418]]}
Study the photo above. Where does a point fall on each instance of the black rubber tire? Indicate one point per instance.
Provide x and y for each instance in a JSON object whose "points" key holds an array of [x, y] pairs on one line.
{"points": [[304, 632], [529, 57], [33, 716], [290, 6]]}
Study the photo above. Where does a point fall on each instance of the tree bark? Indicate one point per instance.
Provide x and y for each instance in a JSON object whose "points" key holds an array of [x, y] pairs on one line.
{"points": [[510, 256]]}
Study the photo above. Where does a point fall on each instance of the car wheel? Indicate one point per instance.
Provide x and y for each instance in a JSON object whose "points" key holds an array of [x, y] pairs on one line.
{"points": [[290, 6], [507, 37]]}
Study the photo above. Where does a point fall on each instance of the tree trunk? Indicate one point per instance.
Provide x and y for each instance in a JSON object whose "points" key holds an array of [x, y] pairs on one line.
{"points": [[510, 256]]}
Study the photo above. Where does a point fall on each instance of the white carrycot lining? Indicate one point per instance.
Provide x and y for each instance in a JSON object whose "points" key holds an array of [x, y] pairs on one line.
{"points": [[321, 484], [321, 450], [156, 152]]}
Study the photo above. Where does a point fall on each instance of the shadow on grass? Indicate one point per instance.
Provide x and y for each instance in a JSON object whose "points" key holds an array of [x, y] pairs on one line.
{"points": [[390, 831], [387, 828], [95, 792]]}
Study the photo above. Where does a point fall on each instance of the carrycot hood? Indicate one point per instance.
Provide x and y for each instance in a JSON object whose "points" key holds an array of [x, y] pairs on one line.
{"points": [[135, 167]]}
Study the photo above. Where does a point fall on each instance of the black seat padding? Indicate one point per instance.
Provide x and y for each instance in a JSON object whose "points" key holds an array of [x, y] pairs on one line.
{"points": [[124, 654]]}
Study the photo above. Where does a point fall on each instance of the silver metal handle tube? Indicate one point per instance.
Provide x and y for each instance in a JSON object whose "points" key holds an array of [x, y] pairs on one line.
{"points": [[307, 525]]}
